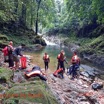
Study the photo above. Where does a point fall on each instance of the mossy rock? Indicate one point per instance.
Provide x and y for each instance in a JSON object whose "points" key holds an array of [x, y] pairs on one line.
{"points": [[2, 79], [16, 101], [31, 92], [1, 88], [38, 40], [5, 74], [96, 46]]}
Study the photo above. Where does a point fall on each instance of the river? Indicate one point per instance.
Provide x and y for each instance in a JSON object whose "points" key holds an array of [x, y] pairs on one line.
{"points": [[53, 50]]}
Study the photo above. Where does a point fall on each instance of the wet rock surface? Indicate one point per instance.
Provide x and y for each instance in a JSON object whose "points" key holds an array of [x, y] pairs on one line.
{"points": [[98, 60], [77, 91]]}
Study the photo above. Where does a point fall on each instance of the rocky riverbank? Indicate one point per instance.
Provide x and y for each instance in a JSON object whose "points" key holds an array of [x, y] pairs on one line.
{"points": [[97, 60], [78, 91], [66, 91]]}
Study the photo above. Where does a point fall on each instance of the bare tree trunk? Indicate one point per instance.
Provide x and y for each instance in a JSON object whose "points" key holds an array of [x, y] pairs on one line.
{"points": [[23, 14], [16, 6], [36, 24], [31, 13]]}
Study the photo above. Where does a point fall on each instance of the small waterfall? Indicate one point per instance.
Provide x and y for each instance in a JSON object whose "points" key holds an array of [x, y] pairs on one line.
{"points": [[48, 43]]}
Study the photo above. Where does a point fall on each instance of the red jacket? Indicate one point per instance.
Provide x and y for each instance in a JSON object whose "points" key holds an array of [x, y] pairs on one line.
{"points": [[60, 57], [75, 60]]}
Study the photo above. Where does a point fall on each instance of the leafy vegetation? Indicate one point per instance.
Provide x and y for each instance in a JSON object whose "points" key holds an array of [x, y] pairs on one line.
{"points": [[77, 20], [95, 46]]}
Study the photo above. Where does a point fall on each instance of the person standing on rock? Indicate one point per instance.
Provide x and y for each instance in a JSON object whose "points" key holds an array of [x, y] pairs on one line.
{"points": [[17, 51], [61, 58], [10, 55], [75, 61], [46, 61]]}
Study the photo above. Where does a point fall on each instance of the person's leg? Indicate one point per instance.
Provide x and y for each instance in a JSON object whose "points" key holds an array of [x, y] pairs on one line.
{"points": [[16, 65], [11, 63], [16, 60], [58, 65], [73, 71], [62, 66], [60, 74], [45, 66], [70, 70], [77, 71]]}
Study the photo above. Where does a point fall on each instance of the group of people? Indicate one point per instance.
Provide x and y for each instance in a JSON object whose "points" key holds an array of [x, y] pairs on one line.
{"points": [[13, 60], [74, 63], [11, 55]]}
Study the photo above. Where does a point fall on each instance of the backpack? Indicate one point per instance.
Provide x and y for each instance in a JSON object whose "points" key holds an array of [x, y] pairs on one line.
{"points": [[5, 51], [97, 86]]}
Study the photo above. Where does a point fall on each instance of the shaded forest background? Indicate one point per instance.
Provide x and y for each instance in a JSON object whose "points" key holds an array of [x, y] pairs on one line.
{"points": [[78, 21]]}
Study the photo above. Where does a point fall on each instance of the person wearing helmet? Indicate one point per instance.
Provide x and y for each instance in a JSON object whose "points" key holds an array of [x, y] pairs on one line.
{"points": [[17, 52]]}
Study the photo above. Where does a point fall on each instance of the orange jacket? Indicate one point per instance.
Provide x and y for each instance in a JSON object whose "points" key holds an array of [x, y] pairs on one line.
{"points": [[46, 58], [75, 60], [60, 57]]}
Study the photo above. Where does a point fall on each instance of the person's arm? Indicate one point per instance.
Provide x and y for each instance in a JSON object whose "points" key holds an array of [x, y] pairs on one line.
{"points": [[66, 61], [20, 52]]}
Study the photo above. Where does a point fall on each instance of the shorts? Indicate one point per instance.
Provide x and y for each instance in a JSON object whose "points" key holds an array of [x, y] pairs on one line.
{"points": [[15, 58]]}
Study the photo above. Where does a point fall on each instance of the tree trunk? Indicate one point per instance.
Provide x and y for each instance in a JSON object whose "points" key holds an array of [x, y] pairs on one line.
{"points": [[23, 15], [31, 13], [16, 6], [36, 22]]}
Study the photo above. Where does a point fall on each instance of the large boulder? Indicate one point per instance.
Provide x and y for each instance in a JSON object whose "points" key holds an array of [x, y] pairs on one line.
{"points": [[39, 40]]}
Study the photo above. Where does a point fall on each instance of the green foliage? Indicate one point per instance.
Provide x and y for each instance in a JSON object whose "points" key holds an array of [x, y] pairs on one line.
{"points": [[3, 37], [96, 45], [81, 13], [25, 11], [5, 73], [3, 40]]}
